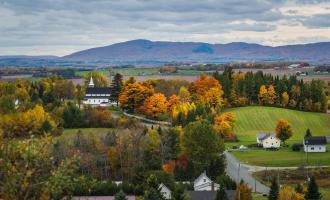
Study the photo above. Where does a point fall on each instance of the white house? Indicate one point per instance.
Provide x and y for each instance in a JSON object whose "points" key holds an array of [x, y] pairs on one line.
{"points": [[165, 191], [268, 141], [204, 183], [97, 96], [315, 144]]}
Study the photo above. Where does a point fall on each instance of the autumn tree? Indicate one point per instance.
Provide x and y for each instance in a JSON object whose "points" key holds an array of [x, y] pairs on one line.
{"points": [[116, 86], [201, 144], [184, 95], [288, 193], [271, 95], [243, 192], [263, 95], [173, 101], [224, 124], [283, 130], [285, 99], [155, 105], [99, 79], [133, 96], [79, 95]]}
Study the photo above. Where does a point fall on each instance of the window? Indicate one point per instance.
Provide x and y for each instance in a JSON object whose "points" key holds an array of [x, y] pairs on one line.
{"points": [[320, 148], [312, 148], [204, 180]]}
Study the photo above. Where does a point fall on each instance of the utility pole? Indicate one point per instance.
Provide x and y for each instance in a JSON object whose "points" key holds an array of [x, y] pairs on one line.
{"points": [[238, 180]]}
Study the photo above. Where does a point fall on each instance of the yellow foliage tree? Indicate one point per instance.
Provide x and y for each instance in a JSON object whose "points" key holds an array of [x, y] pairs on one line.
{"points": [[184, 94], [283, 130], [133, 96], [288, 193], [155, 105], [224, 124], [263, 95], [271, 95], [285, 99], [213, 97], [183, 108]]}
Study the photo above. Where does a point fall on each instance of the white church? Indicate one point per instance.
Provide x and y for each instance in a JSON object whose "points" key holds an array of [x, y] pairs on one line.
{"points": [[97, 96]]}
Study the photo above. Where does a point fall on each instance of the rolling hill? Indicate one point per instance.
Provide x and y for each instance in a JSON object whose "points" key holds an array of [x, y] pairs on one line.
{"points": [[144, 51], [255, 119]]}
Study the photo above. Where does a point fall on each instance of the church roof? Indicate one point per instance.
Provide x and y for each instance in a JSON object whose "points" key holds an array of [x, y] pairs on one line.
{"points": [[98, 90]]}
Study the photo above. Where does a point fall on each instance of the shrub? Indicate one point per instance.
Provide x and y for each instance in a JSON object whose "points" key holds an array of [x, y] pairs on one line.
{"points": [[297, 147]]}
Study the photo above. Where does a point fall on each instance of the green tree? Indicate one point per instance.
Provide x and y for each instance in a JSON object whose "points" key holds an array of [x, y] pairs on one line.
{"points": [[308, 133], [313, 190], [201, 144], [120, 196], [116, 86], [274, 190], [299, 188], [221, 193]]}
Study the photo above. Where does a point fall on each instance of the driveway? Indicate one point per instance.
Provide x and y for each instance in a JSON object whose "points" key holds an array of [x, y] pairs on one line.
{"points": [[240, 172]]}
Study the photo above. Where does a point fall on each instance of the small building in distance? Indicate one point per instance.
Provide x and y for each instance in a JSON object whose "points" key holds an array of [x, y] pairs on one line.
{"points": [[204, 183], [315, 144], [268, 141], [165, 191], [97, 96]]}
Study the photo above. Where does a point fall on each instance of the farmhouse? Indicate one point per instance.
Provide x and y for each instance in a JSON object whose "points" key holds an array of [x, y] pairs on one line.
{"points": [[268, 141], [204, 183], [315, 144], [167, 194], [97, 96]]}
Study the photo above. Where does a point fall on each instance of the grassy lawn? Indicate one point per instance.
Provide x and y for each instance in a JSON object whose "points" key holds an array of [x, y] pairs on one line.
{"points": [[256, 119], [285, 157]]}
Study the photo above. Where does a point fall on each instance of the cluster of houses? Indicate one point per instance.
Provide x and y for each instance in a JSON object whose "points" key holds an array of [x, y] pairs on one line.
{"points": [[310, 144], [204, 189]]}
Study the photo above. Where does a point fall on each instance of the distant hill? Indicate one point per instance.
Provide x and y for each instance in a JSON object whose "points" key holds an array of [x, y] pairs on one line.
{"points": [[146, 51]]}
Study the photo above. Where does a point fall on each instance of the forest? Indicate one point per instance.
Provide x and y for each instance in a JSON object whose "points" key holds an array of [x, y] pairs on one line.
{"points": [[39, 161]]}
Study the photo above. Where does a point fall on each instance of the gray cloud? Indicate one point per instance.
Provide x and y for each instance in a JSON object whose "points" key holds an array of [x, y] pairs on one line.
{"points": [[318, 21], [61, 26]]}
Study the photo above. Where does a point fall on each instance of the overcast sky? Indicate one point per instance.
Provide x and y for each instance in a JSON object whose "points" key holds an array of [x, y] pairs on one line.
{"points": [[60, 27]]}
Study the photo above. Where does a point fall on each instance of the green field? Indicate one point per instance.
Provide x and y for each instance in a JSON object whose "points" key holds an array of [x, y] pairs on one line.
{"points": [[256, 119]]}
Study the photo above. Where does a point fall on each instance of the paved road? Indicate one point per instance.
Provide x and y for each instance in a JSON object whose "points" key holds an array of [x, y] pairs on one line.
{"points": [[238, 172]]}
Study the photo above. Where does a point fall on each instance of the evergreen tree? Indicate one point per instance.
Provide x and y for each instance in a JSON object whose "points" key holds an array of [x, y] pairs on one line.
{"points": [[116, 85], [308, 133], [221, 193], [313, 190], [120, 196], [274, 190], [299, 188]]}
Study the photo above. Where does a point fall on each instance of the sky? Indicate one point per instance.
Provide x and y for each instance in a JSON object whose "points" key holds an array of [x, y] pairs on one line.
{"points": [[60, 27]]}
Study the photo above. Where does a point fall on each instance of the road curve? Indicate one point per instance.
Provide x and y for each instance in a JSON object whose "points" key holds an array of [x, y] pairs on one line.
{"points": [[238, 172]]}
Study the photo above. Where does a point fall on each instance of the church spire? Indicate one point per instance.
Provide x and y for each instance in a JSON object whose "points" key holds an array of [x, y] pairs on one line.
{"points": [[91, 83]]}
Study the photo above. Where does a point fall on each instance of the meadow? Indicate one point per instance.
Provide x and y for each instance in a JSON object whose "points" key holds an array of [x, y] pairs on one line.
{"points": [[256, 119]]}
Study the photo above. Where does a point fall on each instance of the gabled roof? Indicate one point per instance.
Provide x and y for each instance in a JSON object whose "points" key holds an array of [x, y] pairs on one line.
{"points": [[98, 90], [203, 175], [263, 136], [315, 140]]}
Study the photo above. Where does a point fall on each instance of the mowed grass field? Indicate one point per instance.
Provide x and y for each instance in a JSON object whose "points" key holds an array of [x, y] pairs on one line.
{"points": [[256, 119]]}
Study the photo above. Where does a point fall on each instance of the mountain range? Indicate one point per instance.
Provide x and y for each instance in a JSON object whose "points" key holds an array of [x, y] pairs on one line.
{"points": [[160, 52]]}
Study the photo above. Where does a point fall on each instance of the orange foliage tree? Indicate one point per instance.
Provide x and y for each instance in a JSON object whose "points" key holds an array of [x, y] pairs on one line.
{"points": [[207, 91], [224, 124], [169, 167], [283, 130], [155, 105], [133, 96], [288, 193]]}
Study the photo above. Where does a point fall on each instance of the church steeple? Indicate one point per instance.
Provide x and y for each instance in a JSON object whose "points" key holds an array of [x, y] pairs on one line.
{"points": [[91, 83]]}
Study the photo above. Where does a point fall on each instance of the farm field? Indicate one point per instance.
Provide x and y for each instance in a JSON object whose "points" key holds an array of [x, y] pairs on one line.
{"points": [[256, 119]]}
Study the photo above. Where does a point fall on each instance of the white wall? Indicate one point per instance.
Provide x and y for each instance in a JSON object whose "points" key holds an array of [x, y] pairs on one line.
{"points": [[271, 142], [315, 148]]}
